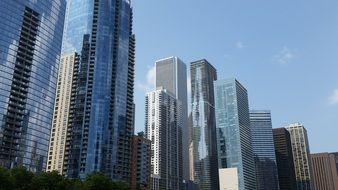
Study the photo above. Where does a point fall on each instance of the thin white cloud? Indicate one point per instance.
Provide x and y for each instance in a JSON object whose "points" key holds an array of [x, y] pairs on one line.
{"points": [[149, 84], [240, 45], [151, 76], [188, 86], [284, 56], [333, 99]]}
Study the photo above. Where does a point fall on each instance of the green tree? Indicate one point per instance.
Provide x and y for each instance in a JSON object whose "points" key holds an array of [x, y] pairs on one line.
{"points": [[98, 181], [50, 181], [5, 181], [78, 185], [120, 185], [21, 178]]}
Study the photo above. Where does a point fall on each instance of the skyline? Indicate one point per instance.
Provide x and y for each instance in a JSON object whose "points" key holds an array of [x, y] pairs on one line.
{"points": [[271, 41], [257, 79]]}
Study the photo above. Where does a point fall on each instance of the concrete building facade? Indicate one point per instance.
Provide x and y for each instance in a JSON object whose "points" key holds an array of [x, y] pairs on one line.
{"points": [[301, 156], [324, 171], [140, 162]]}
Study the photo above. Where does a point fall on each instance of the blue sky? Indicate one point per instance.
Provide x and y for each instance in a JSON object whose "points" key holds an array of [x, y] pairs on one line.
{"points": [[284, 52]]}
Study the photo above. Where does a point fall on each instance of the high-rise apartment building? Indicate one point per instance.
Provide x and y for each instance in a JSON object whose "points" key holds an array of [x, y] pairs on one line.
{"points": [[163, 126], [325, 175], [284, 158], [171, 74], [205, 169], [234, 146], [301, 156], [101, 111], [68, 68], [140, 162], [263, 150], [30, 46]]}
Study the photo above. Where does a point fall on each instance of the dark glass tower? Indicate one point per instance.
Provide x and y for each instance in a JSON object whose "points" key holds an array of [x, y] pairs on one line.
{"points": [[264, 150], [101, 112], [203, 74], [30, 45], [284, 158]]}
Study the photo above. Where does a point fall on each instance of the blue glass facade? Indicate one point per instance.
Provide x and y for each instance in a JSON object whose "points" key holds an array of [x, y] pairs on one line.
{"points": [[233, 131], [264, 150], [205, 170], [30, 45], [101, 120]]}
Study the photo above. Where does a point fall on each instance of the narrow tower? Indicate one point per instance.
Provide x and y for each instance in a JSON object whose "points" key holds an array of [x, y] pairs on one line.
{"points": [[264, 150], [234, 143], [301, 156], [163, 126], [203, 74], [171, 74]]}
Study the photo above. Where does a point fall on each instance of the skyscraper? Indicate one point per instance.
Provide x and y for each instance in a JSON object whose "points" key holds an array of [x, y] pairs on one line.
{"points": [[264, 150], [284, 158], [301, 156], [325, 175], [31, 36], [171, 74], [163, 126], [101, 112], [203, 74], [69, 65], [233, 132]]}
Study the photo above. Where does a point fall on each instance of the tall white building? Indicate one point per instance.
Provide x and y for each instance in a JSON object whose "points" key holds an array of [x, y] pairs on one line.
{"points": [[163, 126], [57, 144], [301, 156], [171, 74]]}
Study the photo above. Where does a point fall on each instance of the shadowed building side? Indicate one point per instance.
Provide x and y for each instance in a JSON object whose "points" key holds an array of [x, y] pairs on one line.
{"points": [[284, 159]]}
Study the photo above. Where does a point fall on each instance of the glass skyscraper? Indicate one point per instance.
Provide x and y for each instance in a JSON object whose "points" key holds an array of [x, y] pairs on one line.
{"points": [[163, 126], [233, 132], [205, 169], [101, 112], [284, 158], [30, 45], [264, 150], [171, 74]]}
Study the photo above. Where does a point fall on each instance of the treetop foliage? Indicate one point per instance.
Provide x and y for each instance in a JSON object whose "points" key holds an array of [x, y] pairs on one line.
{"points": [[21, 179]]}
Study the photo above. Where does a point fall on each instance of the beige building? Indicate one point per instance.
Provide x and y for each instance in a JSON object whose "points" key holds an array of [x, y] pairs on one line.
{"points": [[324, 171], [60, 116], [228, 179], [301, 156]]}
